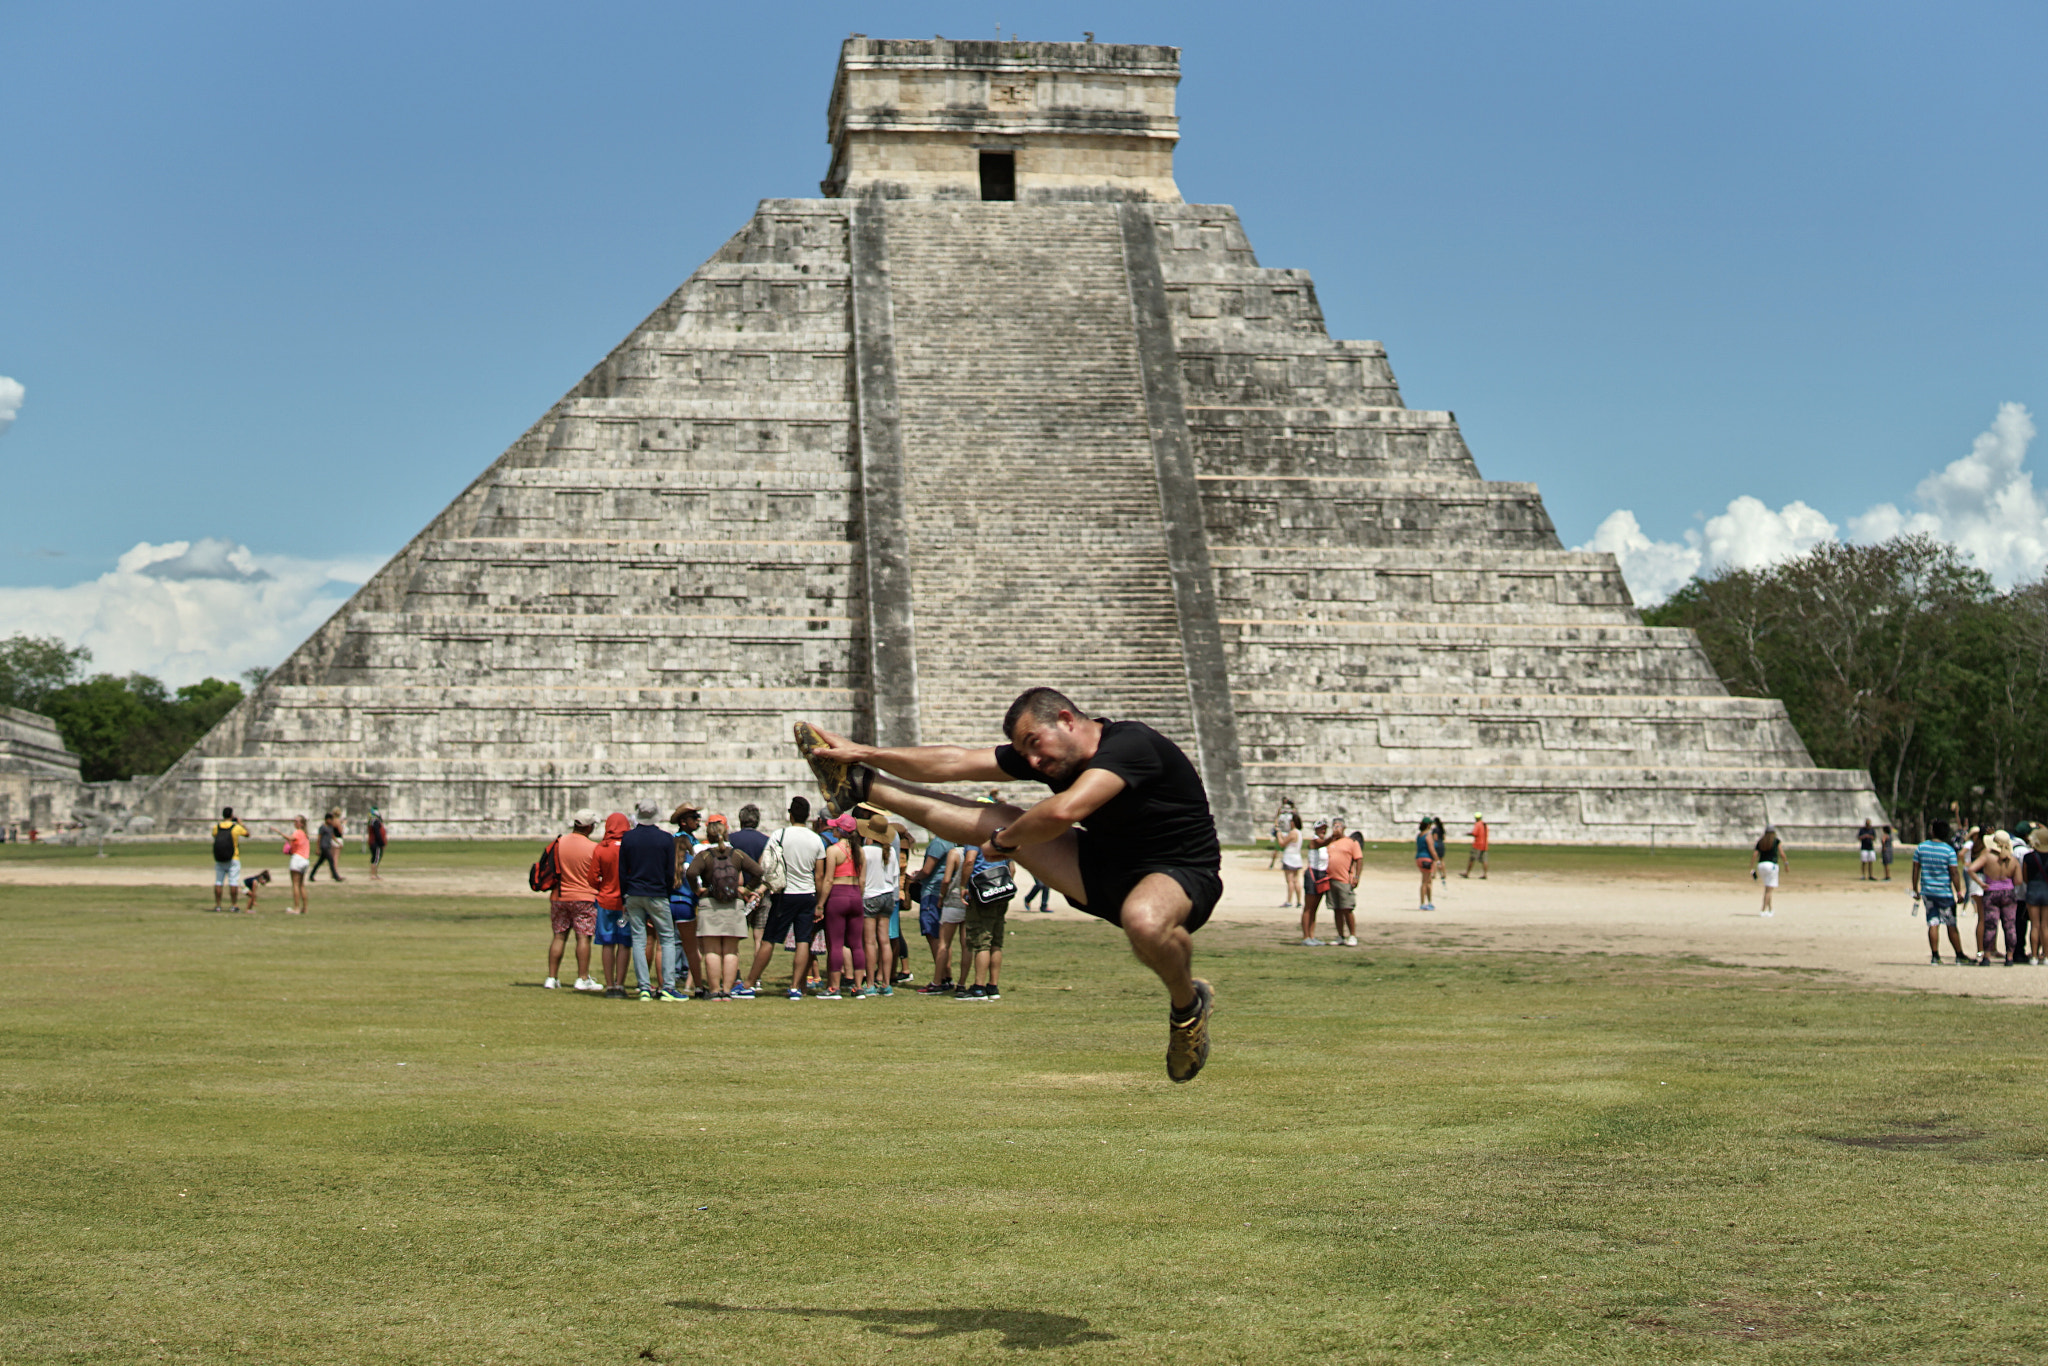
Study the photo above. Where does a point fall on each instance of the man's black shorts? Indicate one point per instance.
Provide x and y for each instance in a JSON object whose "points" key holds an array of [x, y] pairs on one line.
{"points": [[1107, 889], [790, 910]]}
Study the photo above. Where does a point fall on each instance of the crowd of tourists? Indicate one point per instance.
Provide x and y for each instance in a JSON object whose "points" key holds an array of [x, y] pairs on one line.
{"points": [[699, 910], [2000, 876], [1324, 863]]}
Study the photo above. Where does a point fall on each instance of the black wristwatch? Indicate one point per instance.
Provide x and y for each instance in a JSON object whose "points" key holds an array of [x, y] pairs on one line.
{"points": [[997, 844]]}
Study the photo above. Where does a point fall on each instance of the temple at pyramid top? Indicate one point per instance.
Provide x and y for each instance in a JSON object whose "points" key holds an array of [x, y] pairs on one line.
{"points": [[1031, 122]]}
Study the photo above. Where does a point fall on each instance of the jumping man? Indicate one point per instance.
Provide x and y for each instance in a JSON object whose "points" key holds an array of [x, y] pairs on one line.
{"points": [[1147, 860]]}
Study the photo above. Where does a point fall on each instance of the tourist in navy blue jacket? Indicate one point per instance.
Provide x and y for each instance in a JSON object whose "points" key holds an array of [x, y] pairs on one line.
{"points": [[647, 874]]}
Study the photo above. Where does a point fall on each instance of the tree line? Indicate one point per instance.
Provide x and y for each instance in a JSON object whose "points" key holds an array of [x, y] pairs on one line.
{"points": [[1901, 658], [117, 726]]}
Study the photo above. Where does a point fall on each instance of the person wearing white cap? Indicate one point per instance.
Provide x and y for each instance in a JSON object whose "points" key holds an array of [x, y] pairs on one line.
{"points": [[573, 903]]}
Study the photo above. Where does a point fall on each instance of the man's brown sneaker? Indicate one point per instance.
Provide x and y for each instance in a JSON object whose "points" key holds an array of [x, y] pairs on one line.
{"points": [[1187, 1041], [845, 785]]}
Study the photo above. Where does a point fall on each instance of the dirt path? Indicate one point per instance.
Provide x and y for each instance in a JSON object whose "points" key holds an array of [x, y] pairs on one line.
{"points": [[1860, 930]]}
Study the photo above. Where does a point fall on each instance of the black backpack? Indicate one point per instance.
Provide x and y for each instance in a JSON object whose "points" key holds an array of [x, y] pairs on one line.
{"points": [[722, 875], [546, 873], [224, 842]]}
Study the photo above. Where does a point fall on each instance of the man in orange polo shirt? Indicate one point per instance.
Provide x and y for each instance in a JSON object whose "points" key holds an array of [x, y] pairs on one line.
{"points": [[1478, 853], [573, 905], [1343, 894]]}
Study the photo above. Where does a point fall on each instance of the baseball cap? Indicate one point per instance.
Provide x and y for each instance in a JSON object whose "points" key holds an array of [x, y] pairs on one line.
{"points": [[715, 819], [584, 817]]}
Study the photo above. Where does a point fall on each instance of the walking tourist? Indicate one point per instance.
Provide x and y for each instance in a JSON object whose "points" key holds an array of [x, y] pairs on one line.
{"points": [[1291, 862], [1345, 866], [1041, 892], [838, 877], [1426, 852], [990, 887], [793, 909], [718, 876], [647, 874], [330, 842], [1999, 872], [228, 834], [1937, 883], [613, 937], [375, 837], [298, 848], [572, 906], [1765, 861], [1866, 850], [1478, 853], [882, 879], [1145, 858]]}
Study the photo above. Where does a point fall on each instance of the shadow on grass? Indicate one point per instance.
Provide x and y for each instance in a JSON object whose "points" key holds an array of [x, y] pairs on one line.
{"points": [[1022, 1329]]}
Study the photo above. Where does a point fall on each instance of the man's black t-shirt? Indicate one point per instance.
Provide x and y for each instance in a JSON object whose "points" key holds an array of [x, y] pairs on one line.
{"points": [[1161, 819]]}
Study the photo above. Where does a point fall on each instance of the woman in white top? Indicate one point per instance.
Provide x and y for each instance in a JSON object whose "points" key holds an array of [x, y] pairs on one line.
{"points": [[1290, 858], [883, 877]]}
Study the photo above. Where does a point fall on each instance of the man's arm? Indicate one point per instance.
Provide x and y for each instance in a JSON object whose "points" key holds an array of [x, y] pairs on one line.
{"points": [[919, 763], [1052, 817]]}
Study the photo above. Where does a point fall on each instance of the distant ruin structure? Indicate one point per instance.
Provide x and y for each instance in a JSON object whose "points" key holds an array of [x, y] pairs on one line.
{"points": [[1000, 409]]}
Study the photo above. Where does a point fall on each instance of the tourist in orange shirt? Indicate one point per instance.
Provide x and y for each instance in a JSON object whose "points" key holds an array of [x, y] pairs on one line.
{"points": [[299, 845], [1343, 894], [573, 906], [1478, 853]]}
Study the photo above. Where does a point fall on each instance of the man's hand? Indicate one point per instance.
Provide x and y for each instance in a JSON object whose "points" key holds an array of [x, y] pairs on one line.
{"points": [[841, 750]]}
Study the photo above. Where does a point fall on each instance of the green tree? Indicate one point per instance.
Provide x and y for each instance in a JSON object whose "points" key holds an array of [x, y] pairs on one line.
{"points": [[119, 727], [33, 667]]}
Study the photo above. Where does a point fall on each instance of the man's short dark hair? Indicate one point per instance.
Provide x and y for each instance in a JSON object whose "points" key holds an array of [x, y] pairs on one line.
{"points": [[227, 813], [1043, 705], [1939, 829], [750, 816], [799, 810]]}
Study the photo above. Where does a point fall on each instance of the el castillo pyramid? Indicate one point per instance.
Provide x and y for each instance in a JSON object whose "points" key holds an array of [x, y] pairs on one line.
{"points": [[999, 409]]}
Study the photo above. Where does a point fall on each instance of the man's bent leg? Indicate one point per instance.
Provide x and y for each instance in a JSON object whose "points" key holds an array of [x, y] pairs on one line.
{"points": [[1155, 917]]}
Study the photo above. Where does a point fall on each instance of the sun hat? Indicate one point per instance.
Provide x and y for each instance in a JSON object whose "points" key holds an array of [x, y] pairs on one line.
{"points": [[2038, 839], [2002, 842], [675, 817], [875, 825]]}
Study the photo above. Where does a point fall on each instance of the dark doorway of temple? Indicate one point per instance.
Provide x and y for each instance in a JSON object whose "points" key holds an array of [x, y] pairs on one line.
{"points": [[999, 175]]}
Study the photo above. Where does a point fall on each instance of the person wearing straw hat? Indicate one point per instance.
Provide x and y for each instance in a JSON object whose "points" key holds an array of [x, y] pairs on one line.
{"points": [[2000, 872], [881, 881]]}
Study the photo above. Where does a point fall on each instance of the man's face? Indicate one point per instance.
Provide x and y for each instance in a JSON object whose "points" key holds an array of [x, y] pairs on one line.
{"points": [[1054, 748], [690, 821]]}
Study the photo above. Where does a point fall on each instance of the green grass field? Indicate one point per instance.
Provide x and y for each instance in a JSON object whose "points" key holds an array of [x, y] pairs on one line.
{"points": [[367, 1136]]}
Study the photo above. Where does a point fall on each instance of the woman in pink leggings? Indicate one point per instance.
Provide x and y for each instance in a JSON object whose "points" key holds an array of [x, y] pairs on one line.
{"points": [[2000, 870], [839, 878]]}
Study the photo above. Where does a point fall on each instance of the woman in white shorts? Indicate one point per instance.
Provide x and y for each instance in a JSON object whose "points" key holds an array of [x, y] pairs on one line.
{"points": [[1764, 862], [1290, 858], [299, 845]]}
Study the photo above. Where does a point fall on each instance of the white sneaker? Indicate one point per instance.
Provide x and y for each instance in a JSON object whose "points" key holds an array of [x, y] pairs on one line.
{"points": [[1350, 941], [551, 984], [1312, 943], [1768, 914], [587, 984]]}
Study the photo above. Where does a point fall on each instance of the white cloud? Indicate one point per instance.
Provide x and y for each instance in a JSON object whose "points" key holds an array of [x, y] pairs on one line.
{"points": [[1751, 536], [1984, 504], [185, 610], [1653, 570], [1746, 536], [11, 395]]}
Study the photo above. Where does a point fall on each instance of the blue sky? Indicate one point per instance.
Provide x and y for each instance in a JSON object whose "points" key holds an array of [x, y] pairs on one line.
{"points": [[279, 280]]}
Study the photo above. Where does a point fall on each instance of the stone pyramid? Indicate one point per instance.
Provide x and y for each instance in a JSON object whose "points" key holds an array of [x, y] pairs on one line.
{"points": [[999, 409]]}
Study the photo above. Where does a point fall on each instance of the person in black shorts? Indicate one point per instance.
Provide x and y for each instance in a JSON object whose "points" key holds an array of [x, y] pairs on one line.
{"points": [[1148, 859]]}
